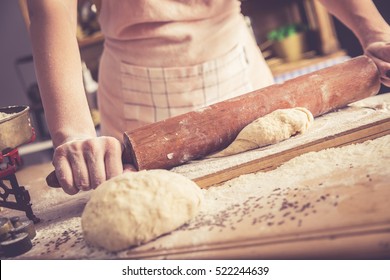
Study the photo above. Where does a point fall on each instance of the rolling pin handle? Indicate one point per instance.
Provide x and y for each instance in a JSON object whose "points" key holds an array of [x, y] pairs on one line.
{"points": [[52, 180]]}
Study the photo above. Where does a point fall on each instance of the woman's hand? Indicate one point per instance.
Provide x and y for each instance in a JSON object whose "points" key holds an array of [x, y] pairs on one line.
{"points": [[379, 52], [84, 163], [372, 30]]}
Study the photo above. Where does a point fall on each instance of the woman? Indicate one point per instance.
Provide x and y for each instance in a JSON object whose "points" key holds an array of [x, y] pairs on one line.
{"points": [[161, 58]]}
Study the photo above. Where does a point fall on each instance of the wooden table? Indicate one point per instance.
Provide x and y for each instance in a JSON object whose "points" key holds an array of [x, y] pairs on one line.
{"points": [[328, 204]]}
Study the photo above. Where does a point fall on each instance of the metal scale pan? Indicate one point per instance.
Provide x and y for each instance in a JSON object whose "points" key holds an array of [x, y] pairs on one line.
{"points": [[15, 127]]}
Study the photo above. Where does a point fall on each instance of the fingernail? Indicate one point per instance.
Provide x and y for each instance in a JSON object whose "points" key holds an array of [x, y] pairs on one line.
{"points": [[388, 74]]}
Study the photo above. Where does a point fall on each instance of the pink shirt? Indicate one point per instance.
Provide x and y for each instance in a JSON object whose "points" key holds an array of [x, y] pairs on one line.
{"points": [[167, 57]]}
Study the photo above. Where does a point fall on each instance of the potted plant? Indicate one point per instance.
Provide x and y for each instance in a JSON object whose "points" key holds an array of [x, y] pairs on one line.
{"points": [[289, 41]]}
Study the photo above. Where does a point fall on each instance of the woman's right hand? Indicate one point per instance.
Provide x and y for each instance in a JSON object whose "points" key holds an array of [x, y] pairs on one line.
{"points": [[84, 163]]}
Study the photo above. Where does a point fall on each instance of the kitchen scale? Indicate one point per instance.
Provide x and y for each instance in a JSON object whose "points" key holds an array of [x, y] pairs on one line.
{"points": [[15, 130]]}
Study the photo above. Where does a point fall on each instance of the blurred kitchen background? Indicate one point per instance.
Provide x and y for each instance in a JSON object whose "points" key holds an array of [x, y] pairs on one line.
{"points": [[296, 37]]}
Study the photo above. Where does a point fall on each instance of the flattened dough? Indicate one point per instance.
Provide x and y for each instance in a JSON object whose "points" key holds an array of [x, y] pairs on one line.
{"points": [[272, 128], [136, 207]]}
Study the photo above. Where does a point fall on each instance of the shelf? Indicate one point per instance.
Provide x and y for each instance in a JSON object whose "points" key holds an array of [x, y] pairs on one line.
{"points": [[35, 147], [279, 67]]}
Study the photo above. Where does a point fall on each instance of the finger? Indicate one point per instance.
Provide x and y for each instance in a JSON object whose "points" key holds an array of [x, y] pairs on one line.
{"points": [[64, 175], [129, 168], [79, 171], [113, 158], [96, 169], [385, 82], [380, 53]]}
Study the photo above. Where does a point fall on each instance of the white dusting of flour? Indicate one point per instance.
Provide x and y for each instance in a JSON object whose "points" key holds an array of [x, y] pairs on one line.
{"points": [[310, 193]]}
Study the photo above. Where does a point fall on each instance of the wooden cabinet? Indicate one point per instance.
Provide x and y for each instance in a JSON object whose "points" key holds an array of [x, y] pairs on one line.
{"points": [[91, 48], [89, 37]]}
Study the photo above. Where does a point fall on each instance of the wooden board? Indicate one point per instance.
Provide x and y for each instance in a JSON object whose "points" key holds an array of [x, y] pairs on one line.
{"points": [[347, 126], [341, 212], [327, 204], [355, 135]]}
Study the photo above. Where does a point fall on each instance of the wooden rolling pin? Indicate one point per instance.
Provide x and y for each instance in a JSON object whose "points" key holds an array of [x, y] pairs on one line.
{"points": [[174, 141], [189, 136]]}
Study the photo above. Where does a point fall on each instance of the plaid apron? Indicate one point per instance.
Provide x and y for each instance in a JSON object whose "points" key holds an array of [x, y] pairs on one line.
{"points": [[154, 94], [131, 95]]}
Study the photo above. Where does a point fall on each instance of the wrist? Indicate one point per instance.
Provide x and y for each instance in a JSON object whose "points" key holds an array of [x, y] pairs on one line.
{"points": [[62, 137]]}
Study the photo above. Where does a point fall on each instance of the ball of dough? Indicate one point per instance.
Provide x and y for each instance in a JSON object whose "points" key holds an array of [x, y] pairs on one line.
{"points": [[136, 207], [277, 126]]}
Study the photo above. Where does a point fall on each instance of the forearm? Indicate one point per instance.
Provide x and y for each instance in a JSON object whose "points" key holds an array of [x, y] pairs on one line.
{"points": [[362, 17], [58, 68]]}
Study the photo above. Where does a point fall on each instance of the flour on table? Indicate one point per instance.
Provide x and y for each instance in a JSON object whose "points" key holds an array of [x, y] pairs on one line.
{"points": [[372, 103], [334, 164], [270, 129], [134, 208]]}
